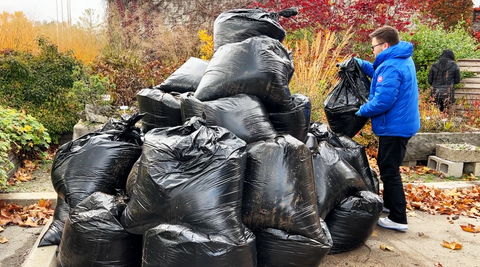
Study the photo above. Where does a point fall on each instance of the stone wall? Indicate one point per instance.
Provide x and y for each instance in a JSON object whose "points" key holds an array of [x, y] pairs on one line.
{"points": [[423, 145], [16, 164]]}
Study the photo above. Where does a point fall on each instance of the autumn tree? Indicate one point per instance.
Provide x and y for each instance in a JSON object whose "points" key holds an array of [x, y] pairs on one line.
{"points": [[449, 13]]}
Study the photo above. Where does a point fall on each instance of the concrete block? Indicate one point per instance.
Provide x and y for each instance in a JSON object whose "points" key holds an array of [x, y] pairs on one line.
{"points": [[472, 167], [458, 152], [82, 128], [447, 167], [409, 163]]}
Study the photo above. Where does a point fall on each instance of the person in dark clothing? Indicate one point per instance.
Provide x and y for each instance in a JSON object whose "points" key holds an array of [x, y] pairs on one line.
{"points": [[443, 76]]}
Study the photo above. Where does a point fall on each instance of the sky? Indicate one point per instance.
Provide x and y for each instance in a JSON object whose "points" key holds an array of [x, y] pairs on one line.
{"points": [[40, 10]]}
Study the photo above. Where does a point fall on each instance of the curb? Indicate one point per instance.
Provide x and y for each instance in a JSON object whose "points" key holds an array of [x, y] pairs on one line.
{"points": [[25, 199], [44, 255]]}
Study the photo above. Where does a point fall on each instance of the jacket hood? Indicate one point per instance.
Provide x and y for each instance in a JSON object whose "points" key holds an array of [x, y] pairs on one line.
{"points": [[445, 64], [401, 50]]}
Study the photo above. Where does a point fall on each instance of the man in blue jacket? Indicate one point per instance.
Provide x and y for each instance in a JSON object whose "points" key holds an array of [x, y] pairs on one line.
{"points": [[393, 109]]}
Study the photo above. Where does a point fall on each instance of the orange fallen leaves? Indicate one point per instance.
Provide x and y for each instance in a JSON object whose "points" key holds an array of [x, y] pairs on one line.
{"points": [[28, 216], [464, 202], [452, 245], [470, 228], [386, 248], [3, 240]]}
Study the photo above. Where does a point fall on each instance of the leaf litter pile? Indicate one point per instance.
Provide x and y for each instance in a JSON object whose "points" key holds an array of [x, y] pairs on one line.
{"points": [[33, 215]]}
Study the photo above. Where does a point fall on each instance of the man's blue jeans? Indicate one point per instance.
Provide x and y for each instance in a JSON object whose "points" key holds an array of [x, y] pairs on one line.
{"points": [[391, 151]]}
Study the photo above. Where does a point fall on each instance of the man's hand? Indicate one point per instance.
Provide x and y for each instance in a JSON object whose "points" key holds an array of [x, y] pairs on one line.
{"points": [[359, 61]]}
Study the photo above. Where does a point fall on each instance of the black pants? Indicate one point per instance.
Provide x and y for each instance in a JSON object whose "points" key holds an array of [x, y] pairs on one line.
{"points": [[391, 151]]}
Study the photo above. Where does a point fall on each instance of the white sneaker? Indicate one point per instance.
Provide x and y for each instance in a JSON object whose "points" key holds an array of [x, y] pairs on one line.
{"points": [[389, 224], [386, 210]]}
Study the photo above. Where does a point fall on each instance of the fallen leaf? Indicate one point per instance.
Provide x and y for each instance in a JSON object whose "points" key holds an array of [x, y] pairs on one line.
{"points": [[438, 264], [470, 228], [386, 248], [1, 229], [374, 233], [452, 245], [3, 240]]}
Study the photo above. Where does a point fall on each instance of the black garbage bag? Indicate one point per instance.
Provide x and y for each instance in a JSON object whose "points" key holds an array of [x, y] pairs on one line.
{"points": [[279, 190], [335, 179], [353, 220], [94, 162], [279, 248], [322, 133], [238, 25], [243, 115], [190, 175], [346, 98], [53, 235], [179, 246], [132, 178], [295, 122], [258, 66], [186, 78], [124, 129], [93, 235], [311, 142], [161, 109], [354, 153], [351, 151]]}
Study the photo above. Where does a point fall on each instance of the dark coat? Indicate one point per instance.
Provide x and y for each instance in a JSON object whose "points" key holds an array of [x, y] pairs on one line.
{"points": [[443, 75]]}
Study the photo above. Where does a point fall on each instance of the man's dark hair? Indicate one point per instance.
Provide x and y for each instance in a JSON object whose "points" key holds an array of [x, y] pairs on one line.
{"points": [[386, 34]]}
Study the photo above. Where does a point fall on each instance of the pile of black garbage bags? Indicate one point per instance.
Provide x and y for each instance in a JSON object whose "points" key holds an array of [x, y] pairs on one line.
{"points": [[221, 167]]}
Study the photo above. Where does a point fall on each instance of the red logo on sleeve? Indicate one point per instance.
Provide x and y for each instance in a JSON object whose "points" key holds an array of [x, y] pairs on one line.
{"points": [[380, 79]]}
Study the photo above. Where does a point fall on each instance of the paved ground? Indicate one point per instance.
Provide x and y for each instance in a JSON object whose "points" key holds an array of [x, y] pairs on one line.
{"points": [[419, 246]]}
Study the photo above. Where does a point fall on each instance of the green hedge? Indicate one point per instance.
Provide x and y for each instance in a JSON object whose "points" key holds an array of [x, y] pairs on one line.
{"points": [[42, 86], [19, 134]]}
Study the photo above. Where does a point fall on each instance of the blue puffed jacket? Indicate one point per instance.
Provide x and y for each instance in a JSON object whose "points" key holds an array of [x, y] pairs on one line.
{"points": [[393, 100]]}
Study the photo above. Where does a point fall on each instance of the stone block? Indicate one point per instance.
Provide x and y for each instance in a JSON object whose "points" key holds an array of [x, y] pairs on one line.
{"points": [[472, 167], [458, 152], [422, 145], [447, 167], [82, 128]]}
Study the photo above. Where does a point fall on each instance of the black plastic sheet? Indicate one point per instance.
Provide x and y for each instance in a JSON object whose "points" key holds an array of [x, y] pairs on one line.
{"points": [[243, 115], [353, 220], [335, 179], [190, 175], [295, 122], [91, 163], [346, 98], [238, 25], [259, 66], [186, 78], [279, 190], [93, 235], [53, 235], [179, 246], [161, 109], [279, 248]]}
